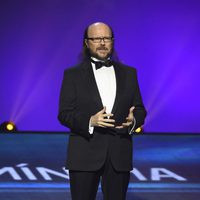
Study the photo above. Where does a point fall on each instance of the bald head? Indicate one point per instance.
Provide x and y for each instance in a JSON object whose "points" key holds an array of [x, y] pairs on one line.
{"points": [[99, 29]]}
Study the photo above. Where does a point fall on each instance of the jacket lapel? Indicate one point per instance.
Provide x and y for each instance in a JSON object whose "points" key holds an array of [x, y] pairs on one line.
{"points": [[91, 85], [92, 89]]}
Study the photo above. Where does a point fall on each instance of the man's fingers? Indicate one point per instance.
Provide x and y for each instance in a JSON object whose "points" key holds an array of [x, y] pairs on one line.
{"points": [[119, 127], [101, 126], [129, 119], [104, 121], [104, 124], [126, 124], [108, 120], [107, 115]]}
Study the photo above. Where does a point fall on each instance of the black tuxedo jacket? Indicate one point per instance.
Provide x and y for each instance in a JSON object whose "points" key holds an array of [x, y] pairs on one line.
{"points": [[80, 99]]}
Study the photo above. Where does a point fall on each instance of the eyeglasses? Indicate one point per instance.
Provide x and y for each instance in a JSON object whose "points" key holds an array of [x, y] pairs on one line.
{"points": [[99, 39]]}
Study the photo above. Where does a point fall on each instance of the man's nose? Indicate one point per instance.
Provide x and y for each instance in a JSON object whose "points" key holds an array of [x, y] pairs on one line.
{"points": [[102, 41]]}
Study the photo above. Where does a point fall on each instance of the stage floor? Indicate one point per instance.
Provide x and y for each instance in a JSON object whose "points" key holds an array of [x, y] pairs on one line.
{"points": [[166, 166]]}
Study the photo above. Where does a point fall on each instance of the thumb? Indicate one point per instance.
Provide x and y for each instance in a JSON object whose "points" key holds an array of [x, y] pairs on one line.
{"points": [[131, 109], [103, 110]]}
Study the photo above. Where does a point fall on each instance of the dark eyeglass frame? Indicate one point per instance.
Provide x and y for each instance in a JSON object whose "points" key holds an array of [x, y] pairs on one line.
{"points": [[99, 39]]}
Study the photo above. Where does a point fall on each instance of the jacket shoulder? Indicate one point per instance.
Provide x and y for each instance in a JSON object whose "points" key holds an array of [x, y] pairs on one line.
{"points": [[127, 68], [73, 70]]}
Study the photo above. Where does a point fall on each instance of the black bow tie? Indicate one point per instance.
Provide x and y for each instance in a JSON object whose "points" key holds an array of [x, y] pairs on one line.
{"points": [[99, 64]]}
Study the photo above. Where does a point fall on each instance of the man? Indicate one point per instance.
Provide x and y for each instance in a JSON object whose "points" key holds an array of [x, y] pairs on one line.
{"points": [[100, 102]]}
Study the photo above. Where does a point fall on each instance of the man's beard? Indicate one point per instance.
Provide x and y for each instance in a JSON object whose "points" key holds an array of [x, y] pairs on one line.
{"points": [[95, 55]]}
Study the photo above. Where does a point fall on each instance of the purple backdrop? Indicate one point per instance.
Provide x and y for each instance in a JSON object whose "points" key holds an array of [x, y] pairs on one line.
{"points": [[40, 38]]}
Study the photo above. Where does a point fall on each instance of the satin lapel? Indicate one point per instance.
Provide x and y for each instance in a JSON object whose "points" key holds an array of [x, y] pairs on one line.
{"points": [[119, 86], [91, 85]]}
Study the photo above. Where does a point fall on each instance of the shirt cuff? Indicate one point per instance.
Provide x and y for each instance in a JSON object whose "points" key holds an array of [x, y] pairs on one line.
{"points": [[90, 129]]}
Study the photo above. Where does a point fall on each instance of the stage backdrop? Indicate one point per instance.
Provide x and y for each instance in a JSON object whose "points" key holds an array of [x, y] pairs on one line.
{"points": [[39, 39]]}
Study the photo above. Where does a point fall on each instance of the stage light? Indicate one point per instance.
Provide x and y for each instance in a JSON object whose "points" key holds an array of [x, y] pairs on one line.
{"points": [[8, 127], [139, 130]]}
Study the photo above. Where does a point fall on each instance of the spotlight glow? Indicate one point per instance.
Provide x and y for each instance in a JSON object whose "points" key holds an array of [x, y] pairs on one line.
{"points": [[10, 126]]}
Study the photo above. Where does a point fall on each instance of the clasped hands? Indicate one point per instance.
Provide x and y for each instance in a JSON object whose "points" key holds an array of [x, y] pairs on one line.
{"points": [[102, 119]]}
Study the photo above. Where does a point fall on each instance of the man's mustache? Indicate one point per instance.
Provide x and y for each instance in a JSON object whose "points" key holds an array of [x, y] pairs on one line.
{"points": [[102, 48]]}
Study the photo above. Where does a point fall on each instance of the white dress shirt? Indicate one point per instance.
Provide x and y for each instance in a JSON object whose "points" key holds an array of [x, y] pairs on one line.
{"points": [[106, 83]]}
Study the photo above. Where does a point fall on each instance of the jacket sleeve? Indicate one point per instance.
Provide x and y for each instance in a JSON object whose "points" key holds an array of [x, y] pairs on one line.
{"points": [[139, 111], [69, 114]]}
